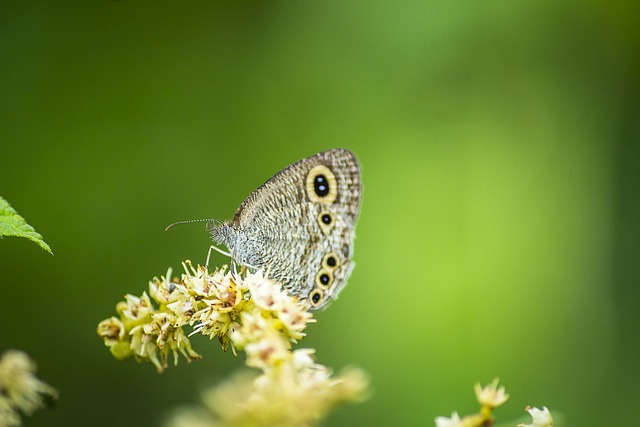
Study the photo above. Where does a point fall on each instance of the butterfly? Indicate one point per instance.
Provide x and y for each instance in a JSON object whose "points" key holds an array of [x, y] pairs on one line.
{"points": [[299, 226]]}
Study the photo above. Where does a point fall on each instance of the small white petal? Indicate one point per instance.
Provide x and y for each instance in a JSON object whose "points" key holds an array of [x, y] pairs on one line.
{"points": [[541, 418], [454, 421]]}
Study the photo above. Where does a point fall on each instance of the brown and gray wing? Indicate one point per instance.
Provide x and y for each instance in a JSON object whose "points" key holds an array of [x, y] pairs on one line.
{"points": [[276, 203]]}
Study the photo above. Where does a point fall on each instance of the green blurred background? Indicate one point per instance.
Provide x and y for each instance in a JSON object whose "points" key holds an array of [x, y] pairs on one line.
{"points": [[499, 230]]}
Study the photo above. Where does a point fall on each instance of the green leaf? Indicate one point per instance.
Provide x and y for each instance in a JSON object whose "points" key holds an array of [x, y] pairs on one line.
{"points": [[12, 224]]}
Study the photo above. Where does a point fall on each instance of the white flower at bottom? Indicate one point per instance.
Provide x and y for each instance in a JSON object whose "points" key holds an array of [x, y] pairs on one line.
{"points": [[454, 421], [541, 418]]}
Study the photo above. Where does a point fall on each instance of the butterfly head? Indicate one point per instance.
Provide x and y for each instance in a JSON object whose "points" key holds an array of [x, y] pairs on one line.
{"points": [[220, 231]]}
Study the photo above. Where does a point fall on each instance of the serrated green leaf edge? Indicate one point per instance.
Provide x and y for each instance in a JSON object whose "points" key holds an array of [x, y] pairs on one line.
{"points": [[12, 224]]}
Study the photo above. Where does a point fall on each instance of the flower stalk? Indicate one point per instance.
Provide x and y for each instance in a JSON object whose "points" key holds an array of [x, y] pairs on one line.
{"points": [[245, 312], [491, 397]]}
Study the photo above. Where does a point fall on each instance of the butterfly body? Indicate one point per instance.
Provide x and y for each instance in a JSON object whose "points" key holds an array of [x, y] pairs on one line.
{"points": [[299, 226]]}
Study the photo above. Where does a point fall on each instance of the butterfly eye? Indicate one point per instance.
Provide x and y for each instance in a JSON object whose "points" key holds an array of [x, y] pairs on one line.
{"points": [[321, 185], [326, 221], [315, 297], [330, 261], [324, 279]]}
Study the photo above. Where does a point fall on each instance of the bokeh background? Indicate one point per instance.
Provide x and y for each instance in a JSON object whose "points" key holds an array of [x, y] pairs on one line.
{"points": [[499, 230]]}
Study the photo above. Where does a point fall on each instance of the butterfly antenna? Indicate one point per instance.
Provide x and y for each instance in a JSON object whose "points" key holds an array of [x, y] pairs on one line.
{"points": [[188, 221]]}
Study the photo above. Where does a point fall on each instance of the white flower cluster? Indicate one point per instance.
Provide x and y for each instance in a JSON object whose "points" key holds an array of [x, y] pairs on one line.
{"points": [[21, 392], [250, 313], [246, 312]]}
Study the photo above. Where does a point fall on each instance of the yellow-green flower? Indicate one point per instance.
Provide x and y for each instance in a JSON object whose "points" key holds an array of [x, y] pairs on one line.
{"points": [[21, 392], [297, 392], [245, 311], [115, 336], [147, 332], [9, 416], [491, 396]]}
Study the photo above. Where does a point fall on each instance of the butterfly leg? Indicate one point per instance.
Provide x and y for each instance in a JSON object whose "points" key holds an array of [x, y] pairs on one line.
{"points": [[217, 249]]}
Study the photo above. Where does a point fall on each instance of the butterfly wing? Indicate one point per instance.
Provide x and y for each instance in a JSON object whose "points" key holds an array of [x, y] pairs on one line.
{"points": [[299, 225]]}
